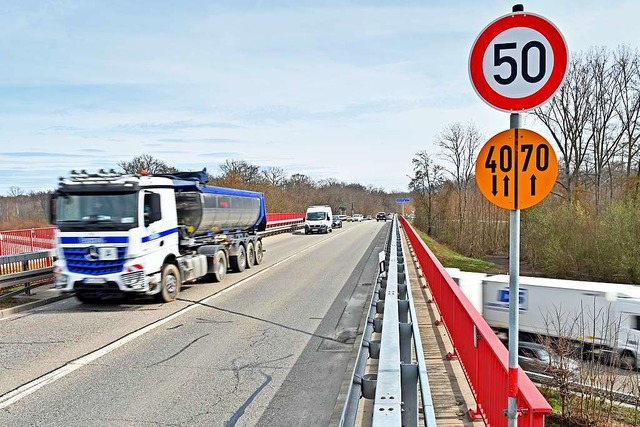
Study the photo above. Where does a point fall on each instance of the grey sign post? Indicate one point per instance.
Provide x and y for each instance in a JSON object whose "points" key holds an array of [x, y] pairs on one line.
{"points": [[402, 201], [507, 75]]}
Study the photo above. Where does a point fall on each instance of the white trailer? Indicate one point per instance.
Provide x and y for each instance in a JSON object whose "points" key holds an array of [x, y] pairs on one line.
{"points": [[603, 317]]}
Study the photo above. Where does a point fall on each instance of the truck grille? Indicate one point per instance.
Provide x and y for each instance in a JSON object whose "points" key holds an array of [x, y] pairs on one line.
{"points": [[78, 263]]}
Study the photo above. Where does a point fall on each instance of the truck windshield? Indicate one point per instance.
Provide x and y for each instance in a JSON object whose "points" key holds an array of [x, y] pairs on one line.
{"points": [[316, 216], [106, 211]]}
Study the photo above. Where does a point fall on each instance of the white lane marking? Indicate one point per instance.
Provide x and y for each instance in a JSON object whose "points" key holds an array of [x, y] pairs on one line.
{"points": [[32, 386]]}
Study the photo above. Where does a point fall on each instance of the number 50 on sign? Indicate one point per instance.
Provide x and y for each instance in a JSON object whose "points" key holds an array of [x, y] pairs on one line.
{"points": [[516, 169]]}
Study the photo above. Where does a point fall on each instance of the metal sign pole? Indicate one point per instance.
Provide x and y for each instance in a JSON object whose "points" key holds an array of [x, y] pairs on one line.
{"points": [[402, 210], [514, 290]]}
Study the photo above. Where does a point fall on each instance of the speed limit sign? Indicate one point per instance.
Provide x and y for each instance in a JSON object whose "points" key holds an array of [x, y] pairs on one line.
{"points": [[518, 62]]}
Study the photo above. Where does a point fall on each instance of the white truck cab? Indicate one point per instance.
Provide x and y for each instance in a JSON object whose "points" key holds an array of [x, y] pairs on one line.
{"points": [[318, 220]]}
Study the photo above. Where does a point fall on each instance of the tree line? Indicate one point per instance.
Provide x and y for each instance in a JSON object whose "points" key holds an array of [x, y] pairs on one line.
{"points": [[283, 192], [589, 227]]}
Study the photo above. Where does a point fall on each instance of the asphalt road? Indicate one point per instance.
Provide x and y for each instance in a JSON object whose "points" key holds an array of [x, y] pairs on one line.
{"points": [[267, 347]]}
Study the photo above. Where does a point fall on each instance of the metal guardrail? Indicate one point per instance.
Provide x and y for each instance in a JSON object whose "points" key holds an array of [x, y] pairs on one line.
{"points": [[31, 270], [394, 385]]}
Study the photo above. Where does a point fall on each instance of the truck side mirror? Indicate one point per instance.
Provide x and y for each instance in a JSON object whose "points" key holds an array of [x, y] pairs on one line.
{"points": [[152, 210], [53, 203]]}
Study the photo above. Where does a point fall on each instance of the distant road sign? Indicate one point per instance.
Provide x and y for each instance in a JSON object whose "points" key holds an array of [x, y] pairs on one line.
{"points": [[516, 174], [403, 200], [518, 62]]}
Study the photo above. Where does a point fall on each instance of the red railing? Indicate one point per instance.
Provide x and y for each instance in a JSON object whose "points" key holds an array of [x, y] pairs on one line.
{"points": [[284, 219], [14, 242], [483, 357]]}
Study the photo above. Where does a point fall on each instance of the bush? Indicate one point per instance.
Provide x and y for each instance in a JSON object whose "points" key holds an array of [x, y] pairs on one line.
{"points": [[567, 241]]}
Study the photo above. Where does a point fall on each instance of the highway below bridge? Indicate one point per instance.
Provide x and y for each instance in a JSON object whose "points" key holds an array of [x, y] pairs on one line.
{"points": [[270, 346]]}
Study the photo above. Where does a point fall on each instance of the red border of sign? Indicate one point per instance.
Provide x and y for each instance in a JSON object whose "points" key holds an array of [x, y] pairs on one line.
{"points": [[512, 20]]}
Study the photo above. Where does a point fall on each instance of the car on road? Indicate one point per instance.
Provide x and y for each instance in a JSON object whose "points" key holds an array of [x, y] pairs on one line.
{"points": [[368, 218], [336, 222], [390, 216], [381, 216], [533, 357], [357, 218]]}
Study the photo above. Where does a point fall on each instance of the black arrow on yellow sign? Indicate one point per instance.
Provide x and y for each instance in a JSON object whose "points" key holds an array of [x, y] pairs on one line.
{"points": [[533, 185], [506, 186]]}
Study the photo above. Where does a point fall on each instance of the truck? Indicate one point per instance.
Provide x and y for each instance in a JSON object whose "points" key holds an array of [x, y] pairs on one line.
{"points": [[318, 219], [603, 319], [148, 234]]}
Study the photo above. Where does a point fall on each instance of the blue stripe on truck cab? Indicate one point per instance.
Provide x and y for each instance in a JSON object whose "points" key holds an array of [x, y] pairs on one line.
{"points": [[155, 236]]}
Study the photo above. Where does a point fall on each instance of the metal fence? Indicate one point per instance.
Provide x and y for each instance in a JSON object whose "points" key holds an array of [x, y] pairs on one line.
{"points": [[391, 383], [483, 358], [14, 242]]}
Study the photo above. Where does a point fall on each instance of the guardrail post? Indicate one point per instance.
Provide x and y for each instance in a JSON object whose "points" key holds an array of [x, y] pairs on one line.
{"points": [[406, 334], [403, 310], [409, 394], [25, 267]]}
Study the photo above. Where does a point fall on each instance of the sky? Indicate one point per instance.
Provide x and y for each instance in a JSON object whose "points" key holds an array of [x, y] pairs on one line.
{"points": [[349, 90]]}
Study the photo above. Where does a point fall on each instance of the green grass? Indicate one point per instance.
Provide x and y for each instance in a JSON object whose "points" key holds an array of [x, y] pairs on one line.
{"points": [[450, 258]]}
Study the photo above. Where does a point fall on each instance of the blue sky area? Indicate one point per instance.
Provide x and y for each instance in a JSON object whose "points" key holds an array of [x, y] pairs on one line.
{"points": [[343, 89]]}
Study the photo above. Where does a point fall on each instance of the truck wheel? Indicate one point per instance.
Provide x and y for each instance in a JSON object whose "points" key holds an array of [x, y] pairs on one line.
{"points": [[87, 298], [259, 254], [221, 267], [239, 261], [628, 361], [251, 255], [170, 284]]}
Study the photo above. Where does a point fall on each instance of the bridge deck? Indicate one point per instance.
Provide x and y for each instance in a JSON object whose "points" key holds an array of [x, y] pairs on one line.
{"points": [[450, 391]]}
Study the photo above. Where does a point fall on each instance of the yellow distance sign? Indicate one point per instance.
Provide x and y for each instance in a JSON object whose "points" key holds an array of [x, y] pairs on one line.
{"points": [[516, 169]]}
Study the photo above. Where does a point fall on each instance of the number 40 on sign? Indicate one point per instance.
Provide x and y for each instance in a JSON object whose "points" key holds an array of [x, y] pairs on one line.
{"points": [[516, 169]]}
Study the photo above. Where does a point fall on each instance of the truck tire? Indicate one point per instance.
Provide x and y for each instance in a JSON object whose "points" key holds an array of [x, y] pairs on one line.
{"points": [[259, 253], [251, 255], [220, 263], [628, 361], [238, 262], [170, 283]]}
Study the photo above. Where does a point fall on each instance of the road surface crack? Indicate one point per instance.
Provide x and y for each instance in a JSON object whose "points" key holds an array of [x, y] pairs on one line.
{"points": [[180, 351]]}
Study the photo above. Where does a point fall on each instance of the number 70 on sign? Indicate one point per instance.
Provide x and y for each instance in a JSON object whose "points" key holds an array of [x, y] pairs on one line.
{"points": [[516, 169]]}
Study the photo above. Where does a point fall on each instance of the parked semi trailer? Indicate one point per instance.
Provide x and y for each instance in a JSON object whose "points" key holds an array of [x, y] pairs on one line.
{"points": [[150, 233], [604, 318]]}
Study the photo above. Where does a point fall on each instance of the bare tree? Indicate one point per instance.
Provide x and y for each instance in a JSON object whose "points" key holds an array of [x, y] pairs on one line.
{"points": [[425, 182], [274, 176], [240, 171], [146, 162], [459, 146], [15, 191], [627, 63], [566, 116], [607, 132]]}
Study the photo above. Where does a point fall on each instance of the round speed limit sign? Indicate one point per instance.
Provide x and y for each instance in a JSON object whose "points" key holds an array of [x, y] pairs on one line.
{"points": [[518, 62]]}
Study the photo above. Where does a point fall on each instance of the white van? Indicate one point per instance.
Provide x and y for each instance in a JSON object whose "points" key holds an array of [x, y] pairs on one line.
{"points": [[318, 219]]}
